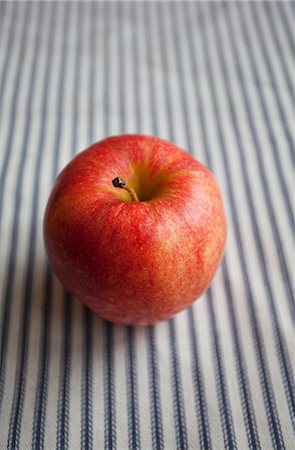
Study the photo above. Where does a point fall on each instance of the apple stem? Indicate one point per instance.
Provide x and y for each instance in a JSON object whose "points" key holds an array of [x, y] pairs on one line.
{"points": [[122, 184]]}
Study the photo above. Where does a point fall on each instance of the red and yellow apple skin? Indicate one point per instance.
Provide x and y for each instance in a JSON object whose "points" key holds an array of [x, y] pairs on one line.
{"points": [[135, 262]]}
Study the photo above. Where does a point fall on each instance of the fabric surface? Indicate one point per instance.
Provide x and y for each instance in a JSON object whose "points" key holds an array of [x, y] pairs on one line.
{"points": [[216, 79]]}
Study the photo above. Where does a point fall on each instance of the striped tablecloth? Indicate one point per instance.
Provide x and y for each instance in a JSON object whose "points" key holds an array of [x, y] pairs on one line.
{"points": [[217, 79]]}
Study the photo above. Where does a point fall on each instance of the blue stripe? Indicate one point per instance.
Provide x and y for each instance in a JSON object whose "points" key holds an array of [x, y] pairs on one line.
{"points": [[92, 70], [3, 11], [199, 389], [271, 136], [77, 74], [229, 434], [179, 412], [87, 371], [272, 413], [132, 398], [181, 76], [63, 415], [119, 14], [243, 379], [280, 52], [20, 380], [7, 58], [256, 11], [163, 45], [149, 63], [110, 437], [109, 390], [42, 384], [87, 383], [60, 98], [14, 101], [154, 389], [132, 401], [154, 381], [135, 65], [65, 362], [106, 68], [131, 375], [281, 8]]}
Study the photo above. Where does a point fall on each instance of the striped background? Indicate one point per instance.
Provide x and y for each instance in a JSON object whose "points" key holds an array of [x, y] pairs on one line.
{"points": [[217, 79]]}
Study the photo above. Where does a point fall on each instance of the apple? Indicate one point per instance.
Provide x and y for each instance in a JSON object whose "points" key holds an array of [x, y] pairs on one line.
{"points": [[135, 228]]}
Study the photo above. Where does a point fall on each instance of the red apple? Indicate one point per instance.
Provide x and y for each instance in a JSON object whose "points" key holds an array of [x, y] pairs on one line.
{"points": [[139, 248]]}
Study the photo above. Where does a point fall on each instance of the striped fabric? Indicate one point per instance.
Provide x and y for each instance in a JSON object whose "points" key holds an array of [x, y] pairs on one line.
{"points": [[217, 79]]}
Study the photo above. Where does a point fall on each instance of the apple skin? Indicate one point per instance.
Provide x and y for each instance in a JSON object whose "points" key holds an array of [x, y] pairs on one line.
{"points": [[135, 262]]}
